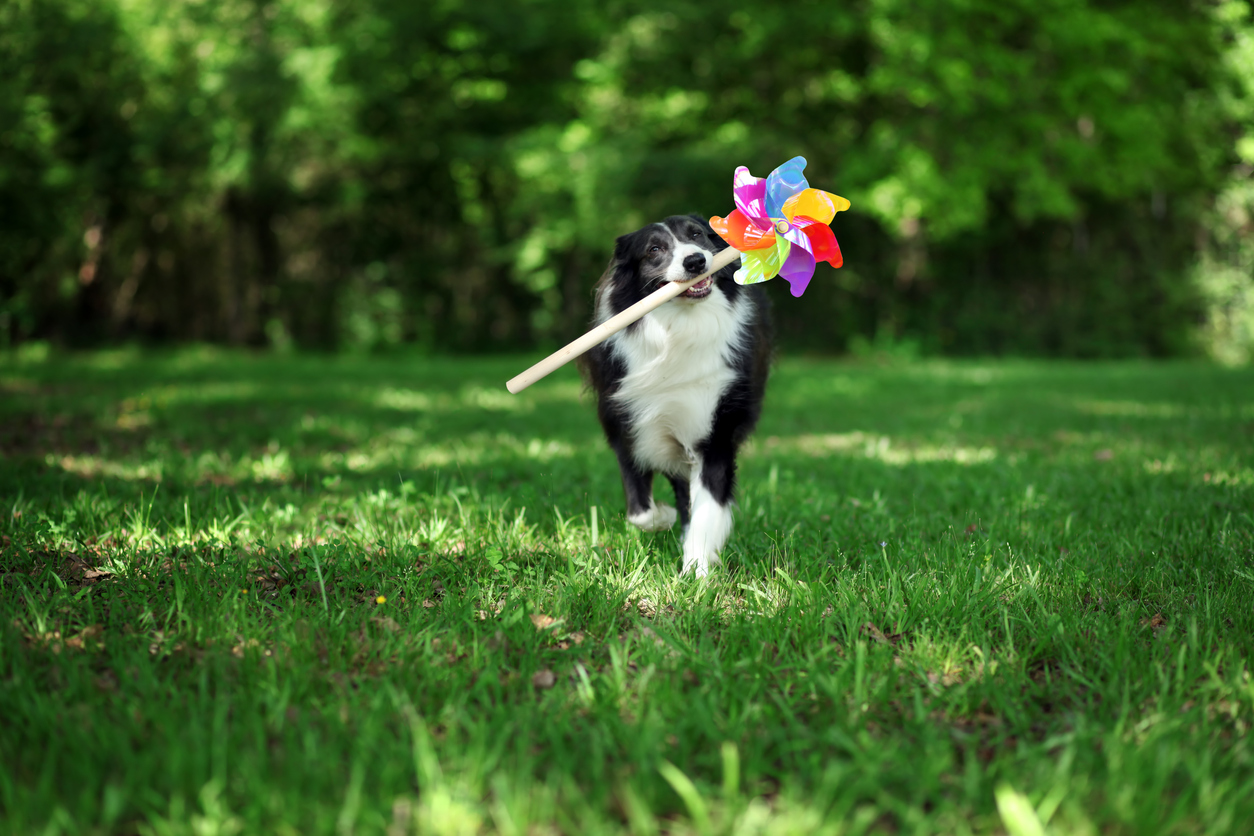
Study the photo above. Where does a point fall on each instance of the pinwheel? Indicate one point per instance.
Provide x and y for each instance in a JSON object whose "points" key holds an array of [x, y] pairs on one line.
{"points": [[779, 227]]}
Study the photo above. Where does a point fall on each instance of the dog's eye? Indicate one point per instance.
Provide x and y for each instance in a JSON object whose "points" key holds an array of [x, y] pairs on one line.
{"points": [[655, 249], [698, 233]]}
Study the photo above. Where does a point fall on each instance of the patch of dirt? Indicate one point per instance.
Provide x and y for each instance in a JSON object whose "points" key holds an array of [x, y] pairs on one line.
{"points": [[875, 634]]}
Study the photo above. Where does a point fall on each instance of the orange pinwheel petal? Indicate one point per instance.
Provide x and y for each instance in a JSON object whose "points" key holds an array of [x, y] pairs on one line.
{"points": [[738, 231]]}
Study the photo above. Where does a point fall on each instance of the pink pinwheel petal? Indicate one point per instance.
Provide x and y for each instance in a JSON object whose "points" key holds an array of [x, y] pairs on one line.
{"points": [[783, 183], [794, 234], [750, 195]]}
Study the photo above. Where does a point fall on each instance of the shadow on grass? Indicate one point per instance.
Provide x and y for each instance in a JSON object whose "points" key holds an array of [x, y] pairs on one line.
{"points": [[1049, 457], [278, 578]]}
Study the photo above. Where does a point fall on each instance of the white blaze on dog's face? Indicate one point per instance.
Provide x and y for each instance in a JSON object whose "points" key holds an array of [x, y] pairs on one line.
{"points": [[676, 251]]}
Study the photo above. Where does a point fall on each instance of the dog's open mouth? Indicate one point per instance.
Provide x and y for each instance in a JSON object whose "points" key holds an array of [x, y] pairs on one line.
{"points": [[700, 290]]}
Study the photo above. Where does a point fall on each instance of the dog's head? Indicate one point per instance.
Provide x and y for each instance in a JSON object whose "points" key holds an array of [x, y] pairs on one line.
{"points": [[676, 249]]}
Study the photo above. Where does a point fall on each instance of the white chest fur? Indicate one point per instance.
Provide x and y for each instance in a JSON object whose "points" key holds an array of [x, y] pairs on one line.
{"points": [[678, 361]]}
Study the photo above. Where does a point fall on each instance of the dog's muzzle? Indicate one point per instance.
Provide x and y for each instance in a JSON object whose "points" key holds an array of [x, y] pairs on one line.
{"points": [[698, 263]]}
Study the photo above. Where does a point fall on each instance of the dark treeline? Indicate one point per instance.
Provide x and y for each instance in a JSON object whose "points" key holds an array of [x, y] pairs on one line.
{"points": [[1029, 176]]}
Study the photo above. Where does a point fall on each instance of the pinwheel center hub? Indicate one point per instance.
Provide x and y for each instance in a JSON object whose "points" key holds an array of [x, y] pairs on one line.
{"points": [[781, 227]]}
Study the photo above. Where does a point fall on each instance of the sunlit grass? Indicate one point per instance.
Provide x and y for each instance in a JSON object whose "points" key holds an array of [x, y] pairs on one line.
{"points": [[253, 594]]}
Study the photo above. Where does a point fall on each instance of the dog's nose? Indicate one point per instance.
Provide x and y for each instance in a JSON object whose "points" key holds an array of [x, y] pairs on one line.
{"points": [[695, 263]]}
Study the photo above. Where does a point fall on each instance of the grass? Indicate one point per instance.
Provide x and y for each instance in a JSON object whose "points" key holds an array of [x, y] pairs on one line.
{"points": [[246, 594]]}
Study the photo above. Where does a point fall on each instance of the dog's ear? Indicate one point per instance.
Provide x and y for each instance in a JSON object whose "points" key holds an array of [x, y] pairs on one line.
{"points": [[624, 247]]}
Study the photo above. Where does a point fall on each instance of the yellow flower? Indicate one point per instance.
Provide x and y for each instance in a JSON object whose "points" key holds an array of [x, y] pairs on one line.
{"points": [[381, 600]]}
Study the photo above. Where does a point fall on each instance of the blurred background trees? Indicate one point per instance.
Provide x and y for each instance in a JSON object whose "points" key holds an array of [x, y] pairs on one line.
{"points": [[1056, 177]]}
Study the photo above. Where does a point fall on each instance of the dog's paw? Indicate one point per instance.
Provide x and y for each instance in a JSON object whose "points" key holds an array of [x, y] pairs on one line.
{"points": [[657, 518], [700, 565]]}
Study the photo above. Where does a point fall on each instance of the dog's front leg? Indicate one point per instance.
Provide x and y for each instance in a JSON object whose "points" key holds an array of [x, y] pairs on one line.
{"points": [[683, 499], [642, 511], [711, 522]]}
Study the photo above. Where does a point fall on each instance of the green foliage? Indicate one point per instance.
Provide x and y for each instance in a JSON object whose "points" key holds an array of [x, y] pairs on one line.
{"points": [[1026, 177], [260, 594], [1224, 273]]}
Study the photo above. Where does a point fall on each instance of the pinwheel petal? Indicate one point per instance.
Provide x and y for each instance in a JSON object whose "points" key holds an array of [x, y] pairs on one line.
{"points": [[740, 233], [750, 195], [822, 240], [752, 269], [783, 183], [762, 265], [798, 268], [815, 203]]}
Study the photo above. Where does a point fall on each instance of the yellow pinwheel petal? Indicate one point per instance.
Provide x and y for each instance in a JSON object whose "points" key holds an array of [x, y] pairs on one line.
{"points": [[815, 203]]}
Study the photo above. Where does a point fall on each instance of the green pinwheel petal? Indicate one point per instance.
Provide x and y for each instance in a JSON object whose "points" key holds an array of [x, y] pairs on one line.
{"points": [[762, 265]]}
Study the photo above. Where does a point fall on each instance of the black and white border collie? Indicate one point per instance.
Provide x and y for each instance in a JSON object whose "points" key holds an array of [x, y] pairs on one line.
{"points": [[679, 390]]}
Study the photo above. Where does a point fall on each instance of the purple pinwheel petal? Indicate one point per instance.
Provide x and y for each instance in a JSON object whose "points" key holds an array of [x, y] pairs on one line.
{"points": [[798, 269], [750, 195], [783, 183], [799, 266]]}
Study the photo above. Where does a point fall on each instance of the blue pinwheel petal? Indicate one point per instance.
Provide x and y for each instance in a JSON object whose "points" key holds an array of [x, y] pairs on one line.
{"points": [[783, 183]]}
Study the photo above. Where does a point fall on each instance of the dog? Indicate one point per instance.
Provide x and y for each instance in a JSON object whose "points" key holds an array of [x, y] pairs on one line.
{"points": [[679, 390]]}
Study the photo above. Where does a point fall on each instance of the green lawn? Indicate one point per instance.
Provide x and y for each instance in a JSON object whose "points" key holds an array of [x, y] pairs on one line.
{"points": [[254, 594]]}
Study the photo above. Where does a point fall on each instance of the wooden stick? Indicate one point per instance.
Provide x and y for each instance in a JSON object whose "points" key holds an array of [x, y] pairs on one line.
{"points": [[614, 324]]}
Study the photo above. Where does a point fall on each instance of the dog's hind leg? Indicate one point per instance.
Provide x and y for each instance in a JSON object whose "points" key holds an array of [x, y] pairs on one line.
{"points": [[642, 511]]}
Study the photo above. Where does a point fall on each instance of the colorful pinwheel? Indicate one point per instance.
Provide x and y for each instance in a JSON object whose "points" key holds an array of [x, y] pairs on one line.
{"points": [[780, 226]]}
